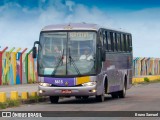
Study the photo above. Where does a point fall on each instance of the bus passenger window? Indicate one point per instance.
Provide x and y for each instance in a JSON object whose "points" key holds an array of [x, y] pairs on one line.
{"points": [[130, 43], [109, 41], [112, 41], [101, 38], [124, 41], [116, 42], [106, 38], [127, 45]]}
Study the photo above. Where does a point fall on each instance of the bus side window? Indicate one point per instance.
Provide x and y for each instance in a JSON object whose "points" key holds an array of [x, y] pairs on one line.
{"points": [[104, 39], [112, 41], [109, 41], [127, 42], [130, 43], [122, 42], [127, 45], [101, 38], [118, 42]]}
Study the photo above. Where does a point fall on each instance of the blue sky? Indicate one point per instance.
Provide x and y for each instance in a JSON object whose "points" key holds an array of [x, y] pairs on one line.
{"points": [[22, 20]]}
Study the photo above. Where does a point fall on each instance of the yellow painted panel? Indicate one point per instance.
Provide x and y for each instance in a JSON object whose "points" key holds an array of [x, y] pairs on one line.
{"points": [[2, 97], [137, 80], [14, 95], [81, 80], [34, 94], [141, 79], [25, 95]]}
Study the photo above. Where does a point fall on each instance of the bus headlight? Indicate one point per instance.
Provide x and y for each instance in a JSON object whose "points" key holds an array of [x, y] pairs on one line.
{"points": [[45, 84], [89, 84]]}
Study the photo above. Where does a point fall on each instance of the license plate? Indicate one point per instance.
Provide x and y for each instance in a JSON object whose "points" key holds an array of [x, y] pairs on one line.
{"points": [[66, 91]]}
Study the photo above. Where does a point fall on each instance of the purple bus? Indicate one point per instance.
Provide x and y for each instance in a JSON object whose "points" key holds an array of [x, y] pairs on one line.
{"points": [[82, 60]]}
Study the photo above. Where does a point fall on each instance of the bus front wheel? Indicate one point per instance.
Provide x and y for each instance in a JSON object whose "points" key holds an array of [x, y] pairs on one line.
{"points": [[100, 98], [54, 99], [114, 95]]}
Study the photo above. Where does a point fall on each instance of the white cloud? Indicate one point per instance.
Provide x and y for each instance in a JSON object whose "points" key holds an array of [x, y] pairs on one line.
{"points": [[70, 4], [144, 26], [20, 26]]}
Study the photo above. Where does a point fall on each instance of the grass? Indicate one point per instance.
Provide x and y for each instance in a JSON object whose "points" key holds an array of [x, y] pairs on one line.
{"points": [[146, 79], [9, 103], [35, 98], [16, 103]]}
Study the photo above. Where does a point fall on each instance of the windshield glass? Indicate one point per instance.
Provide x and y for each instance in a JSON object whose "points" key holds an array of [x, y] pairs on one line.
{"points": [[67, 53]]}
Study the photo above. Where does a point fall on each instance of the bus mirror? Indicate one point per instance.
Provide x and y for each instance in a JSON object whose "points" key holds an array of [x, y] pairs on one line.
{"points": [[34, 52]]}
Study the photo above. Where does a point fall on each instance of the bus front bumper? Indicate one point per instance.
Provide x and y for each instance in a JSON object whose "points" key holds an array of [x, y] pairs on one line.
{"points": [[73, 91]]}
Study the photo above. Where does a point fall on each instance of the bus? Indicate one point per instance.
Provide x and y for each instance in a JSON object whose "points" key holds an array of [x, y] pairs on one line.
{"points": [[83, 60]]}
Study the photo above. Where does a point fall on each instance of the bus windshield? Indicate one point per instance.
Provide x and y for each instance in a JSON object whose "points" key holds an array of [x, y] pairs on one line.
{"points": [[67, 53]]}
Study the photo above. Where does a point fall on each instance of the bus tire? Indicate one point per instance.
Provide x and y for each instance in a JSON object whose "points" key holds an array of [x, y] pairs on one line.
{"points": [[114, 95], [122, 93], [54, 99], [85, 97], [100, 98], [78, 97]]}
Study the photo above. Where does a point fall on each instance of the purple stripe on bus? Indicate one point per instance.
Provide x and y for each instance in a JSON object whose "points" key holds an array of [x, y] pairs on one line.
{"points": [[60, 81]]}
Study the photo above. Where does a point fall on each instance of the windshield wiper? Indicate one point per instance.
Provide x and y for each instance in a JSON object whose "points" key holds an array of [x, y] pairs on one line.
{"points": [[60, 60], [72, 61]]}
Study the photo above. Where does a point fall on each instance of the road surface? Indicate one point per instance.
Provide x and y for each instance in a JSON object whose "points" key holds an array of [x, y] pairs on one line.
{"points": [[142, 97]]}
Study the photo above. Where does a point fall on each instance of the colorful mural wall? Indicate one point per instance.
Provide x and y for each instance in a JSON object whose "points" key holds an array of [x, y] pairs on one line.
{"points": [[146, 66], [18, 67]]}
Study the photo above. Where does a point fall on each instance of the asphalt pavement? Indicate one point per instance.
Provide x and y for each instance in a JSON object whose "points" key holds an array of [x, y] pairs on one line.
{"points": [[141, 97]]}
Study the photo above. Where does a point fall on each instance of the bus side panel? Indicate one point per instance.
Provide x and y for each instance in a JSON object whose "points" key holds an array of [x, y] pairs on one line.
{"points": [[116, 67]]}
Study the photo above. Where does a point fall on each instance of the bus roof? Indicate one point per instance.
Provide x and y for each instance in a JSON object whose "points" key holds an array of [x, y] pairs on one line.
{"points": [[76, 26]]}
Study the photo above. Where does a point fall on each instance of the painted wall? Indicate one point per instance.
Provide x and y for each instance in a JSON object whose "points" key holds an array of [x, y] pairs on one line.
{"points": [[20, 68], [146, 66], [17, 67]]}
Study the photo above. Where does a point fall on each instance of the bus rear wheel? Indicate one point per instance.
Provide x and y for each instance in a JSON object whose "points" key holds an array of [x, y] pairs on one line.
{"points": [[54, 99], [122, 93], [114, 95]]}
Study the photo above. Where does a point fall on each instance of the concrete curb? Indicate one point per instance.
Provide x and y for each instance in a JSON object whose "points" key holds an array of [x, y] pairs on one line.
{"points": [[141, 79], [25, 97]]}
